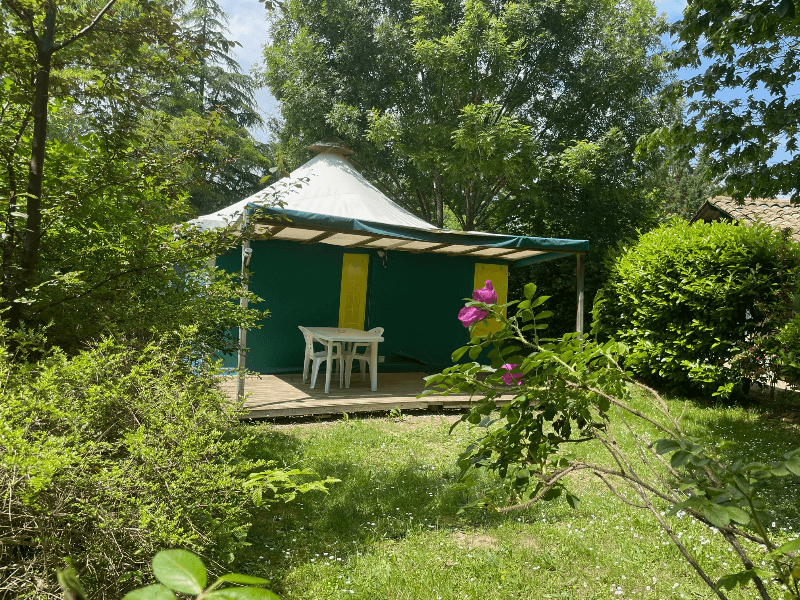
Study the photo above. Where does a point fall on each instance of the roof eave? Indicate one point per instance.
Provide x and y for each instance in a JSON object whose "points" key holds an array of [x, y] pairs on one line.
{"points": [[440, 240]]}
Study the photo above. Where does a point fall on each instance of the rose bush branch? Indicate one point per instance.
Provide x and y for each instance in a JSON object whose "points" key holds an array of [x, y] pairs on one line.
{"points": [[543, 400]]}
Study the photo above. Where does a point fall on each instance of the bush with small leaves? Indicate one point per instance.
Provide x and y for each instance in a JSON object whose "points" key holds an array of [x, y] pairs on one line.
{"points": [[687, 298], [110, 455]]}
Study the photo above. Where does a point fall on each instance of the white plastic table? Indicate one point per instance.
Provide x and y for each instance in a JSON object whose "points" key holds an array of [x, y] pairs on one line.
{"points": [[337, 334]]}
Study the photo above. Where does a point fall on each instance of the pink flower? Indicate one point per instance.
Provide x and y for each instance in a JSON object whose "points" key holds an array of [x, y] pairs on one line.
{"points": [[469, 315], [508, 378], [486, 294]]}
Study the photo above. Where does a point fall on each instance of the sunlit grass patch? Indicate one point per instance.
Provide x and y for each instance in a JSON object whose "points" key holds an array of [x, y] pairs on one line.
{"points": [[393, 527]]}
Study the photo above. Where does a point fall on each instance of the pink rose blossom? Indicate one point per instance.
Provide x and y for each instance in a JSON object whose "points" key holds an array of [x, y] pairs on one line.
{"points": [[486, 294], [508, 378], [469, 315]]}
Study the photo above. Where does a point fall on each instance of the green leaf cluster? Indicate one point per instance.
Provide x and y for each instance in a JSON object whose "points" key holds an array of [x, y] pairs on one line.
{"points": [[563, 396], [276, 484], [742, 104], [180, 571], [727, 493], [184, 572], [686, 298], [100, 250], [108, 456]]}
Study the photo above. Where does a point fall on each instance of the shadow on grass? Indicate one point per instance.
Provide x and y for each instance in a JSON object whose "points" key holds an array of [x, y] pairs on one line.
{"points": [[274, 445], [379, 502], [371, 505]]}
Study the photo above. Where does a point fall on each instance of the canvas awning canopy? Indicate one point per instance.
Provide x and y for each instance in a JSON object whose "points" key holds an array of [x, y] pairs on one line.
{"points": [[347, 232]]}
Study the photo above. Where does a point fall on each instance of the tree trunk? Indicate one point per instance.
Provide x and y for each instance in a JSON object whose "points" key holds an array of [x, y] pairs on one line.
{"points": [[12, 233], [438, 198], [469, 207], [33, 229]]}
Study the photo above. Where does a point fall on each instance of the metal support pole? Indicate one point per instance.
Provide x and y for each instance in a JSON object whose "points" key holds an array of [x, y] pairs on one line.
{"points": [[579, 318], [241, 363]]}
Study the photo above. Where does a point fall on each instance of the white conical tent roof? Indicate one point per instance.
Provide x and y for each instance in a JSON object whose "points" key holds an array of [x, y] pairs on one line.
{"points": [[326, 185]]}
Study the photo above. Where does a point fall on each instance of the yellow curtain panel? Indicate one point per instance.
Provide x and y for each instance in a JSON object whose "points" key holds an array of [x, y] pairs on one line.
{"points": [[498, 275], [353, 296]]}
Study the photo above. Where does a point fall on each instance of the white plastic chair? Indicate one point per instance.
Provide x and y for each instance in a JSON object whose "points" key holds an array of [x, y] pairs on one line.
{"points": [[363, 359], [317, 358]]}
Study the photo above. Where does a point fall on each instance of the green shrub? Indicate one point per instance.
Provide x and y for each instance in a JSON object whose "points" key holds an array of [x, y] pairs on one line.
{"points": [[687, 298], [109, 456]]}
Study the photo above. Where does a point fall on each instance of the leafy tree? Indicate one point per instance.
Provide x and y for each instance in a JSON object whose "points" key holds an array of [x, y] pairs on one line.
{"points": [[97, 251], [75, 51], [212, 85], [744, 104], [459, 106], [687, 188], [603, 196]]}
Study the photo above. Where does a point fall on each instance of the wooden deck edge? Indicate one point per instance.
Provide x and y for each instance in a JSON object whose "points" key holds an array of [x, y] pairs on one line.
{"points": [[440, 403]]}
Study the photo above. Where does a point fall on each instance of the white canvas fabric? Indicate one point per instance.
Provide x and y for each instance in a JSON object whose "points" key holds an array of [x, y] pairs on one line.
{"points": [[326, 185]]}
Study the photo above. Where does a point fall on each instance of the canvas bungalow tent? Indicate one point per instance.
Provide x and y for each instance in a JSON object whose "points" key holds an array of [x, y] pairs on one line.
{"points": [[338, 252]]}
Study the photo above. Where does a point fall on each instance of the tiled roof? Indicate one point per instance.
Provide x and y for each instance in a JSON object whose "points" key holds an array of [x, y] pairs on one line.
{"points": [[777, 213]]}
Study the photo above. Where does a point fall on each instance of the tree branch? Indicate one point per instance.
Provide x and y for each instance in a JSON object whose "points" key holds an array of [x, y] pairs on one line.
{"points": [[547, 485], [25, 18], [86, 29]]}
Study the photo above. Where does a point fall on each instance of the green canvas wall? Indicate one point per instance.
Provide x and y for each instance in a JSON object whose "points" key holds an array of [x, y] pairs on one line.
{"points": [[414, 297]]}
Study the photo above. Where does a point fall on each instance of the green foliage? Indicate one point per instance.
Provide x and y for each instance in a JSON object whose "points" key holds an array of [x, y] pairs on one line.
{"points": [[114, 260], [743, 103], [114, 257], [283, 485], [101, 56], [770, 355], [688, 187], [593, 191], [456, 107], [543, 401], [687, 298], [184, 572], [111, 455], [99, 249], [784, 351]]}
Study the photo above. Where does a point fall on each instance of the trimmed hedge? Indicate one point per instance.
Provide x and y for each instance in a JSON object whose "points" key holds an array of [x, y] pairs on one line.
{"points": [[687, 299]]}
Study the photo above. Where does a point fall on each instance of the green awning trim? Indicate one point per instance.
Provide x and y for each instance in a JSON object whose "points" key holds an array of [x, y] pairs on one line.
{"points": [[555, 248]]}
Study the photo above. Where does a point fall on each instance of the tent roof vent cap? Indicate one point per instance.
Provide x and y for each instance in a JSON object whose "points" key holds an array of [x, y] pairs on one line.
{"points": [[331, 145]]}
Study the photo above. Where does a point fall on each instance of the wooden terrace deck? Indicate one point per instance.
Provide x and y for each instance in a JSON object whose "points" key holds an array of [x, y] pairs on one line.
{"points": [[275, 396]]}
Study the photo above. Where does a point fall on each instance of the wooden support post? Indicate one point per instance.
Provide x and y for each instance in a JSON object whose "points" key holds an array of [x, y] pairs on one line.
{"points": [[241, 363], [579, 318]]}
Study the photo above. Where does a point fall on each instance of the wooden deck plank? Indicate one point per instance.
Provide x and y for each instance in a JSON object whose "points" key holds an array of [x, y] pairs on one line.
{"points": [[275, 396]]}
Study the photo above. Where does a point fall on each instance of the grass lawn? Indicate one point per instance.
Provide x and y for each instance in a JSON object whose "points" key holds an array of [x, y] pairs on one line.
{"points": [[392, 528]]}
